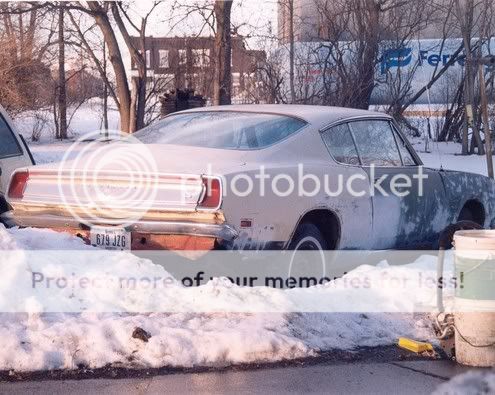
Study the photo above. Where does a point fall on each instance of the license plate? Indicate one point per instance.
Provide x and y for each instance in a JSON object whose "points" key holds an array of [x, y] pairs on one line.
{"points": [[110, 238]]}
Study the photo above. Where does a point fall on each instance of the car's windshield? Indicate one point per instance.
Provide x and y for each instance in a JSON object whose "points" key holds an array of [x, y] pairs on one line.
{"points": [[221, 129]]}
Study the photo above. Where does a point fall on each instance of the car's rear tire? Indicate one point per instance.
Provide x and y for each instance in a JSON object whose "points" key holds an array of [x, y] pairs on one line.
{"points": [[303, 266], [308, 238]]}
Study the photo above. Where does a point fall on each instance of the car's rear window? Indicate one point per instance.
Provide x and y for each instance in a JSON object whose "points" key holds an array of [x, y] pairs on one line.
{"points": [[221, 129]]}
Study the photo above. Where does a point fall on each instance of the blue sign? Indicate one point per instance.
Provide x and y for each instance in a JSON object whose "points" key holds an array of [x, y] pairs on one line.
{"points": [[398, 57], [401, 57]]}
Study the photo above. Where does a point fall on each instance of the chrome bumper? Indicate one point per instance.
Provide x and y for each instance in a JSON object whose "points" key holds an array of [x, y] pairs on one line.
{"points": [[217, 231]]}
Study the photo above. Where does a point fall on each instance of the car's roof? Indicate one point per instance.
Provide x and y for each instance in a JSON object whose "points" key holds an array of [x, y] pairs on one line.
{"points": [[316, 115]]}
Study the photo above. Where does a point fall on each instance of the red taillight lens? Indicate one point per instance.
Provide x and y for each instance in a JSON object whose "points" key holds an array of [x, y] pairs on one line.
{"points": [[18, 185], [213, 193]]}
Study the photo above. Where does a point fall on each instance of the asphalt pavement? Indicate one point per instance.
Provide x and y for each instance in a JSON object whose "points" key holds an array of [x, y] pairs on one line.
{"points": [[404, 377]]}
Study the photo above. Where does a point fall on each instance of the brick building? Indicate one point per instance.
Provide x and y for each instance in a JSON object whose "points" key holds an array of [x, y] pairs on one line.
{"points": [[188, 63]]}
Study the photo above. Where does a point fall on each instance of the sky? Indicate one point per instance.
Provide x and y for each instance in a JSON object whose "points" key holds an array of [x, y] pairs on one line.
{"points": [[254, 18]]}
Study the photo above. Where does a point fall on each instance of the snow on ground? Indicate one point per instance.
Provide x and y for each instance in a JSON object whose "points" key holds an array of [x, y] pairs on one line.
{"points": [[446, 155], [223, 333], [470, 383], [86, 119]]}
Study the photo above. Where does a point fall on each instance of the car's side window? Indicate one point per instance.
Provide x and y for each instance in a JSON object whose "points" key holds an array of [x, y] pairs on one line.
{"points": [[407, 158], [8, 143], [340, 144], [376, 143]]}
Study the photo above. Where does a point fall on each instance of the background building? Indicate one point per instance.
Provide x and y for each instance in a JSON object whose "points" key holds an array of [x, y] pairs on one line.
{"points": [[187, 63], [310, 26]]}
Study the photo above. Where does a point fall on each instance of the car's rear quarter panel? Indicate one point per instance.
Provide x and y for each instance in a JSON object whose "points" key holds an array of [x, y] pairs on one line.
{"points": [[462, 187], [275, 218]]}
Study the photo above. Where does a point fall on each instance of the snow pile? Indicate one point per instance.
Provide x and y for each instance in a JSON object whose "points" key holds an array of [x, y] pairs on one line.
{"points": [[219, 333], [470, 383], [43, 268]]}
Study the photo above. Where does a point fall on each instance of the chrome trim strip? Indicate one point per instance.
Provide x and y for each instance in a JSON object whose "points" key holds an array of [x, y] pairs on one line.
{"points": [[219, 231]]}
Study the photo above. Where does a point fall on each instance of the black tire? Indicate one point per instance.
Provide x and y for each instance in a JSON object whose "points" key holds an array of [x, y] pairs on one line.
{"points": [[446, 237], [465, 215], [4, 207], [307, 261], [308, 238]]}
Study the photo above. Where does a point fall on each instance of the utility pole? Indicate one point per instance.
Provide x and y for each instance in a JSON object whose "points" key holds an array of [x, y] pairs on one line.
{"points": [[482, 63]]}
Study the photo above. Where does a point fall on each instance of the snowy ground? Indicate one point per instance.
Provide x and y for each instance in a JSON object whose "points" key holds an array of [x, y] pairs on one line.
{"points": [[471, 383], [87, 119], [36, 340], [447, 156]]}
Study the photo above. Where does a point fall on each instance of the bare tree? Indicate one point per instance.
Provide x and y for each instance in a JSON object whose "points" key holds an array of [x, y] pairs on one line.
{"points": [[138, 55], [61, 90], [222, 88], [288, 10], [100, 13], [113, 17], [271, 77], [25, 75], [355, 33]]}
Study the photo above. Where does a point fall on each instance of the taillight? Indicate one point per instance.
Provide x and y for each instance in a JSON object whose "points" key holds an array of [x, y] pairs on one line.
{"points": [[18, 184], [212, 198]]}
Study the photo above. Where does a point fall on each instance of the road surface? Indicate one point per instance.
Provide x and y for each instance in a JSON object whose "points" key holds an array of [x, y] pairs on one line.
{"points": [[405, 377]]}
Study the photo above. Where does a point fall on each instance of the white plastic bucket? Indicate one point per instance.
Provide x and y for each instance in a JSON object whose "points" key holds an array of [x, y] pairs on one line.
{"points": [[475, 297]]}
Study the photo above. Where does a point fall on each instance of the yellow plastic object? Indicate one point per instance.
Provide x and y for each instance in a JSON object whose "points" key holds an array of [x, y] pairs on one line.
{"points": [[414, 346]]}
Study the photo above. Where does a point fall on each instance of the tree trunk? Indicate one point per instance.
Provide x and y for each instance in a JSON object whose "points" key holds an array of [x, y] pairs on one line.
{"points": [[290, 4], [141, 83], [369, 27], [62, 95], [223, 54], [134, 100], [138, 91], [122, 87], [466, 25], [105, 90]]}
